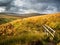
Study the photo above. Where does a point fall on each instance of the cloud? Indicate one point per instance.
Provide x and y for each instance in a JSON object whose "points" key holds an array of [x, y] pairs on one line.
{"points": [[28, 11], [24, 6], [18, 3], [50, 9], [2, 9], [5, 2], [31, 6]]}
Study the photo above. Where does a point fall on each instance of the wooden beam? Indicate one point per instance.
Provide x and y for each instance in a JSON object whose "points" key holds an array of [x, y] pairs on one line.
{"points": [[48, 31]]}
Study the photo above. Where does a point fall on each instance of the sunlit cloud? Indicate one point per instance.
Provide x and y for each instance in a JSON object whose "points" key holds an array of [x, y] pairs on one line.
{"points": [[2, 9], [29, 11]]}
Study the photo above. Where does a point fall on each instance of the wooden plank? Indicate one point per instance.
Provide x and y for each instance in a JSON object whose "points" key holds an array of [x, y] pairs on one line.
{"points": [[48, 31], [50, 28]]}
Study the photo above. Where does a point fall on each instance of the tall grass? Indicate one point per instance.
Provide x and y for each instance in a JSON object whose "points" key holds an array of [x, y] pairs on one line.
{"points": [[28, 30]]}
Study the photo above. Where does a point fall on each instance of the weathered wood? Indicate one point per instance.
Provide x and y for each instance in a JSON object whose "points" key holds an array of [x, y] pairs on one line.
{"points": [[48, 31], [50, 28]]}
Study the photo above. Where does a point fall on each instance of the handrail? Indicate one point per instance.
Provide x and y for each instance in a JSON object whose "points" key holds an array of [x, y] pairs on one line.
{"points": [[49, 28], [49, 31]]}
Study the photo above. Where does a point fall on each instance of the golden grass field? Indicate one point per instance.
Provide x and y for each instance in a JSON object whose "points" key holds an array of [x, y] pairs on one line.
{"points": [[28, 31]]}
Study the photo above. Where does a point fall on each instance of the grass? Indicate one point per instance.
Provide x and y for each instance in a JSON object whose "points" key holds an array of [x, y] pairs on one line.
{"points": [[6, 20], [27, 30]]}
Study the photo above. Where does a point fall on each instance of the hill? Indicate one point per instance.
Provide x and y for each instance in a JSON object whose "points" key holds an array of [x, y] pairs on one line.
{"points": [[28, 30], [8, 17], [5, 15], [5, 18], [12, 15]]}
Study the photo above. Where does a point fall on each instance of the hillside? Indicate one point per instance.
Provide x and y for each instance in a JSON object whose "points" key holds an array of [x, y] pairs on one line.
{"points": [[28, 30], [5, 15], [5, 18], [8, 17], [13, 15]]}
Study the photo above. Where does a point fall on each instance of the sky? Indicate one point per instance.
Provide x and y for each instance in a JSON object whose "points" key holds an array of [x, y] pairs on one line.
{"points": [[30, 6]]}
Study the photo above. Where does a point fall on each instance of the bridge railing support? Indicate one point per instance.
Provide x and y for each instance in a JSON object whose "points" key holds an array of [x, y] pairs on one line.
{"points": [[49, 30]]}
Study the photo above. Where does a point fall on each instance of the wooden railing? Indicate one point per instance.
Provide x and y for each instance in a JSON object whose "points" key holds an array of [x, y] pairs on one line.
{"points": [[49, 30]]}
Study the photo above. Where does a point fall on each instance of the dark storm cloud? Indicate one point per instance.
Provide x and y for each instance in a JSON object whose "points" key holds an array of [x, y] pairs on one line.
{"points": [[49, 1], [26, 6], [5, 2]]}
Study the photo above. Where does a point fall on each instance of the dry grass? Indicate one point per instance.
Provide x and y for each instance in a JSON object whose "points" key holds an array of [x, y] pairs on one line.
{"points": [[29, 29]]}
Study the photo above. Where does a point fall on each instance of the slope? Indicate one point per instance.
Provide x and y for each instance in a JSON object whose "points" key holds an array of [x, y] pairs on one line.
{"points": [[26, 30]]}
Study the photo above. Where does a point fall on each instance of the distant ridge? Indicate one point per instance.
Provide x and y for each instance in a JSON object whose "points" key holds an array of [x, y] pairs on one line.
{"points": [[22, 15]]}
